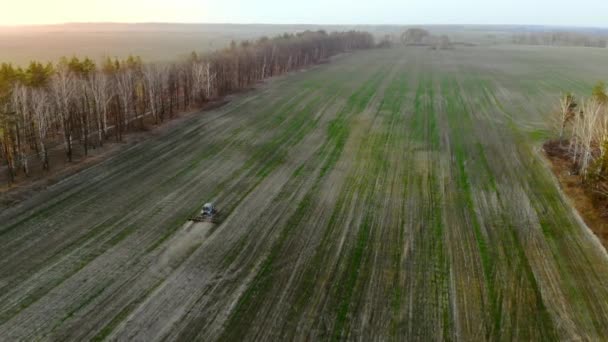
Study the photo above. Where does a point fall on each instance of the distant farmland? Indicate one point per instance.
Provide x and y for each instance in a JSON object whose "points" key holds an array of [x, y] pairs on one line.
{"points": [[391, 194], [153, 42], [166, 42]]}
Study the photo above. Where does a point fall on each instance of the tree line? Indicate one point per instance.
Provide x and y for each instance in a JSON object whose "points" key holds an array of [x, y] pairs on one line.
{"points": [[561, 38], [583, 134], [422, 37], [77, 102]]}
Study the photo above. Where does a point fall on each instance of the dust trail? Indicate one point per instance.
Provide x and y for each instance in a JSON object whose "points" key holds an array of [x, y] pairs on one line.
{"points": [[180, 246]]}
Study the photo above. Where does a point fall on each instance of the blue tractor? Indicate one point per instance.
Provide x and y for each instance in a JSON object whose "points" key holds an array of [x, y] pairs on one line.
{"points": [[207, 214]]}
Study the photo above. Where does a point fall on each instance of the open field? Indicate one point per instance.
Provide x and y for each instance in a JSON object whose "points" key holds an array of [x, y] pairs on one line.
{"points": [[157, 42], [392, 194]]}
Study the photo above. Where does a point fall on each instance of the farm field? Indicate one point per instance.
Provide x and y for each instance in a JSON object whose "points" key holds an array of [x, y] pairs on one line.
{"points": [[391, 194], [153, 42]]}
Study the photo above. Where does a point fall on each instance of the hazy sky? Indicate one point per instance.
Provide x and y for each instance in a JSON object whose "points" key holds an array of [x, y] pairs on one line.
{"points": [[542, 12]]}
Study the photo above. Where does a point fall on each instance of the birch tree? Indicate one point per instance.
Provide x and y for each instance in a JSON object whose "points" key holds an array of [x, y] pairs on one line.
{"points": [[125, 87], [98, 85], [153, 75], [21, 110], [42, 120], [63, 89]]}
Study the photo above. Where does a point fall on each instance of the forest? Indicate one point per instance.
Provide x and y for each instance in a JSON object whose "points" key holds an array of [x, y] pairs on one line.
{"points": [[77, 103], [583, 138], [560, 38]]}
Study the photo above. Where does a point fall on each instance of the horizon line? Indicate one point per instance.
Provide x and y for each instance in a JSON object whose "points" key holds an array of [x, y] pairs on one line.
{"points": [[291, 24]]}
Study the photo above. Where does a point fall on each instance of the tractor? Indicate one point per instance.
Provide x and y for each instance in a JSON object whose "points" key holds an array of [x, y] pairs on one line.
{"points": [[207, 214]]}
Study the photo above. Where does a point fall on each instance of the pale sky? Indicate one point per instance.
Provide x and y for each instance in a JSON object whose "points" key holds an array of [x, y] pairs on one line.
{"points": [[539, 12]]}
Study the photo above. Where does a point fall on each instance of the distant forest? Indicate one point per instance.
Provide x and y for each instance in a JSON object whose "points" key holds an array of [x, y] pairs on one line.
{"points": [[561, 38]]}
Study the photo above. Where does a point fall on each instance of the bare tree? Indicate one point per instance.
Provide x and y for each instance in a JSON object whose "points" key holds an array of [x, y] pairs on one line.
{"points": [[198, 80], [155, 76], [591, 110], [20, 107], [84, 109], [100, 90], [63, 90], [42, 120], [125, 87], [587, 132], [203, 81], [211, 76], [567, 104]]}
